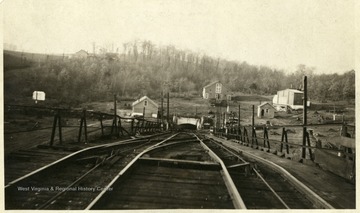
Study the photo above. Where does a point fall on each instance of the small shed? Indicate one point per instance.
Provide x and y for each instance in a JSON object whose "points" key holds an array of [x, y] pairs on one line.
{"points": [[266, 110], [147, 105]]}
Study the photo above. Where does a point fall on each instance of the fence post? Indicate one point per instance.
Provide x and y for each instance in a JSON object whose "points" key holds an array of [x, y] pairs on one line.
{"points": [[83, 123], [344, 132], [284, 138], [246, 136], [309, 145], [253, 132], [85, 126], [137, 126], [102, 125], [240, 134], [142, 126], [120, 129], [53, 129], [132, 126], [114, 124], [60, 127], [254, 138], [147, 124], [266, 138]]}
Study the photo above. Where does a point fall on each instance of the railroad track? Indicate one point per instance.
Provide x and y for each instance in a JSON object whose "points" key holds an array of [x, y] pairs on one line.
{"points": [[53, 186], [181, 170], [175, 175], [260, 186], [36, 153]]}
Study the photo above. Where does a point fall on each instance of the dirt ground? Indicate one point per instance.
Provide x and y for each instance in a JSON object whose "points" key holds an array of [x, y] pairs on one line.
{"points": [[22, 131]]}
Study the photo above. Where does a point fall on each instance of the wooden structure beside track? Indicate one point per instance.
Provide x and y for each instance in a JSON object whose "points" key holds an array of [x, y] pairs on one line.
{"points": [[109, 125], [339, 160]]}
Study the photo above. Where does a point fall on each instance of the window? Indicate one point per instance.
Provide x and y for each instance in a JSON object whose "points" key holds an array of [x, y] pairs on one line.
{"points": [[206, 95], [145, 103], [267, 110], [218, 88], [217, 96]]}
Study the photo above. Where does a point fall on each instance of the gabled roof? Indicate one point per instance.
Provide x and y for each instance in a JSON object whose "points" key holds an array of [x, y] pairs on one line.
{"points": [[211, 84], [144, 98], [263, 104], [81, 51], [293, 90]]}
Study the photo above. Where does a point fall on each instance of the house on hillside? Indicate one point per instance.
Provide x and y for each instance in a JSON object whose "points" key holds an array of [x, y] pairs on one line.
{"points": [[217, 91], [145, 104], [266, 110], [289, 98], [81, 54]]}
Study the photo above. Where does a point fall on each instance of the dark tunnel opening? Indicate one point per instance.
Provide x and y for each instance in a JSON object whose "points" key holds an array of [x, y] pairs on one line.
{"points": [[187, 126]]}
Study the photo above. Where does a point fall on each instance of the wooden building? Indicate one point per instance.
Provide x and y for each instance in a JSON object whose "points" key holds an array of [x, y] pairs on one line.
{"points": [[216, 90], [81, 54], [288, 98], [266, 110], [151, 108]]}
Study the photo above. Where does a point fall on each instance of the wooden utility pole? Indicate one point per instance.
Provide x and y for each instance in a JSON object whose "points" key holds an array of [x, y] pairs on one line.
{"points": [[304, 116], [114, 126], [115, 106], [115, 114], [162, 107], [224, 120], [239, 119], [253, 124], [253, 116], [168, 109]]}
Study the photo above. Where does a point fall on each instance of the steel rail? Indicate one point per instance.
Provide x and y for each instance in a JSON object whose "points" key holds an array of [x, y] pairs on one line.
{"points": [[271, 189], [48, 202], [319, 201], [84, 175], [122, 172], [230, 151], [230, 185], [72, 155]]}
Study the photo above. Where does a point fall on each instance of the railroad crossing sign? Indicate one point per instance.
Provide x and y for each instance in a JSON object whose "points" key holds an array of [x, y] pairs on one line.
{"points": [[38, 96]]}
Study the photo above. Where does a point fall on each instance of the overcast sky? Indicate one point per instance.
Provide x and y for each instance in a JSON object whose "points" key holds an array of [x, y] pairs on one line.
{"points": [[276, 33]]}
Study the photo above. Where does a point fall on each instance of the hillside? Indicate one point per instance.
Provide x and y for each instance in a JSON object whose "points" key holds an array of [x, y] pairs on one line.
{"points": [[145, 69], [20, 60]]}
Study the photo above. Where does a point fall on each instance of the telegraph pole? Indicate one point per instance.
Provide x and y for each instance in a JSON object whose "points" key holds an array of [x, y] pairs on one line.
{"points": [[162, 107], [168, 105], [253, 116], [115, 116], [253, 124], [239, 119], [115, 113], [304, 116]]}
